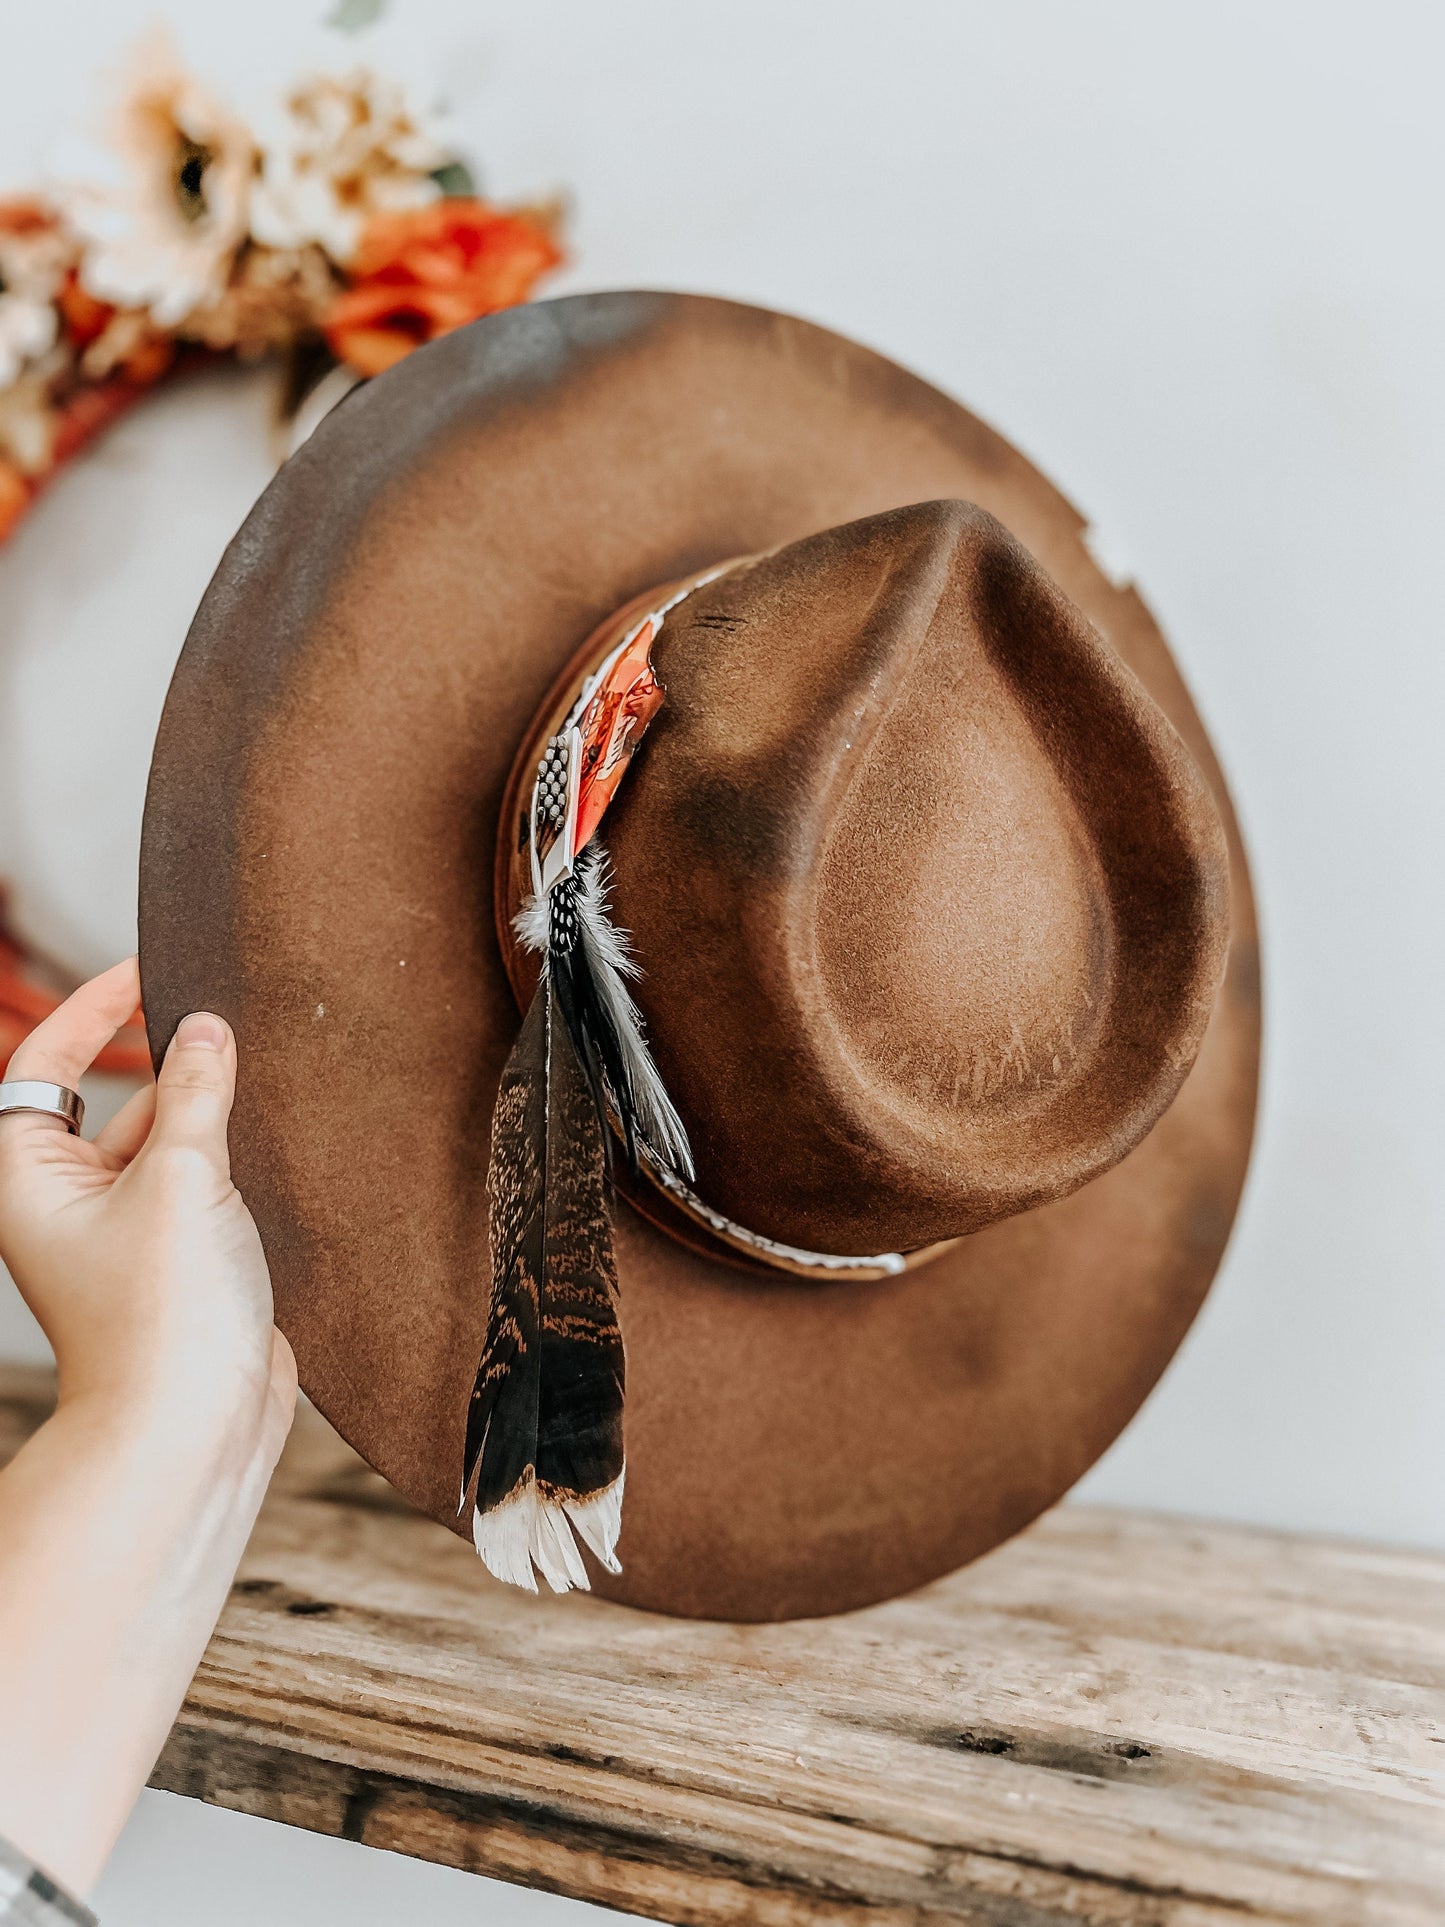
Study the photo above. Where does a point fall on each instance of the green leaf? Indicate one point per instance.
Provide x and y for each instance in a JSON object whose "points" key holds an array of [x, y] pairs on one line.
{"points": [[455, 180], [350, 16]]}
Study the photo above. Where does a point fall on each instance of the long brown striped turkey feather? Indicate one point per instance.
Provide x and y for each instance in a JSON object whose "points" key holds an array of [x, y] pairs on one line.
{"points": [[544, 1433]]}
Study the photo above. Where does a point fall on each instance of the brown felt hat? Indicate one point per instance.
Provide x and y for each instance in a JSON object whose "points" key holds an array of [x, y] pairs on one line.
{"points": [[945, 929]]}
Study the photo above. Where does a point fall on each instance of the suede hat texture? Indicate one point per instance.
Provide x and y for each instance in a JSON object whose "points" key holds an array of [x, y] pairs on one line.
{"points": [[946, 929]]}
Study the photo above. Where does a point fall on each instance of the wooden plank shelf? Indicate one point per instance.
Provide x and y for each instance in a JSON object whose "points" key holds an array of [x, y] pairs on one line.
{"points": [[1116, 1719]]}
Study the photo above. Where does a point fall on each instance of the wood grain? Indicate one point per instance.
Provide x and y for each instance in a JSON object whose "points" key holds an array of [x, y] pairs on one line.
{"points": [[1114, 1719]]}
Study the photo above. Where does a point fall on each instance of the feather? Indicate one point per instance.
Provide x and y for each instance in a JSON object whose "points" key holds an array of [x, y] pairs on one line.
{"points": [[593, 964], [502, 1416], [544, 1448], [543, 1458], [611, 963], [579, 1428], [599, 1520]]}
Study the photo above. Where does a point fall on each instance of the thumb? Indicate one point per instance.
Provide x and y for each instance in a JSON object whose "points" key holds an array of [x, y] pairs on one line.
{"points": [[194, 1090]]}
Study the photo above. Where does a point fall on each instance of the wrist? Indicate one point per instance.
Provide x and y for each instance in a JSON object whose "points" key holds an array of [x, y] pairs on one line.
{"points": [[182, 1488], [221, 1420], [124, 1519]]}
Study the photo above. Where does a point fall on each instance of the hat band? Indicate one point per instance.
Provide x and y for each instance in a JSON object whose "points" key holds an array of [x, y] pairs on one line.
{"points": [[611, 698]]}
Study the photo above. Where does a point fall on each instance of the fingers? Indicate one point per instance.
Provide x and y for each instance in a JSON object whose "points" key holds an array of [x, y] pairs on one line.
{"points": [[283, 1375], [128, 1130], [195, 1089], [60, 1049]]}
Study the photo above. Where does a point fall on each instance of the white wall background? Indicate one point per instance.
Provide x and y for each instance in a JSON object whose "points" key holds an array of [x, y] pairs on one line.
{"points": [[1191, 260]]}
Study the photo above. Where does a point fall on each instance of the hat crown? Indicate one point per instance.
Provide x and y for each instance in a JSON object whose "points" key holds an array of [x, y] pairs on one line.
{"points": [[930, 901]]}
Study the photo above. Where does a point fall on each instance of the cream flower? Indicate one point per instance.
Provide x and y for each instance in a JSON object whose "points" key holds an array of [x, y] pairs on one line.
{"points": [[33, 260], [346, 148], [27, 329], [275, 296], [162, 207], [28, 417]]}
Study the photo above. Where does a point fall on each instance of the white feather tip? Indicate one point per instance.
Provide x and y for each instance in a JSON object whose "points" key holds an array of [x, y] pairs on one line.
{"points": [[527, 1531]]}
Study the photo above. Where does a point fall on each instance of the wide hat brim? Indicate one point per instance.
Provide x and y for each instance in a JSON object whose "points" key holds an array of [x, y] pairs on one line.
{"points": [[317, 866]]}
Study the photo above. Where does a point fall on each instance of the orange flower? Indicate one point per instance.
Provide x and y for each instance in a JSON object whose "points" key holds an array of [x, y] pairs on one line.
{"points": [[25, 217], [421, 272], [15, 494], [24, 1003], [85, 318]]}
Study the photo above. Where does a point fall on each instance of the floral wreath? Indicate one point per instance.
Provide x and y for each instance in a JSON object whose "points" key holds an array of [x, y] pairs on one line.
{"points": [[344, 236]]}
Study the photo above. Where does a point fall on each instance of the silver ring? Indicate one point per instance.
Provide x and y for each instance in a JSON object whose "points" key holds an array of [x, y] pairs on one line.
{"points": [[50, 1100]]}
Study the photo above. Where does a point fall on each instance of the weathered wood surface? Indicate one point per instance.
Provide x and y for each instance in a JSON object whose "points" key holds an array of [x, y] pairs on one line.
{"points": [[1115, 1719]]}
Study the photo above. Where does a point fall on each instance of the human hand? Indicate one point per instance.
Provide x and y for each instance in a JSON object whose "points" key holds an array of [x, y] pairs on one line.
{"points": [[135, 1251], [122, 1520]]}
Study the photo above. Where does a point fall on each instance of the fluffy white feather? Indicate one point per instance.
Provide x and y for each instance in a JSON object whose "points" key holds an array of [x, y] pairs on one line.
{"points": [[612, 964], [530, 925]]}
